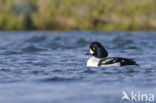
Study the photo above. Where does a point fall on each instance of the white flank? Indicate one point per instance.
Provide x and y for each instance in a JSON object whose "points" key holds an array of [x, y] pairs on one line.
{"points": [[93, 62]]}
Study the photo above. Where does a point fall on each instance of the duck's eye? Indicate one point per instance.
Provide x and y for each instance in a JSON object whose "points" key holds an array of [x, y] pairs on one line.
{"points": [[93, 49]]}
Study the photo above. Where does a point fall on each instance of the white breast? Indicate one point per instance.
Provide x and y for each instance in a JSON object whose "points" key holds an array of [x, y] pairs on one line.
{"points": [[93, 62]]}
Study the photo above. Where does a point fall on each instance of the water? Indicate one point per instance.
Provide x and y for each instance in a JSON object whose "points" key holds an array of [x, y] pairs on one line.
{"points": [[50, 67]]}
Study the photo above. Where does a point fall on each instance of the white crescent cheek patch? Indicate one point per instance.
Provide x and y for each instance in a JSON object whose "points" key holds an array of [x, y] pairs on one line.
{"points": [[91, 52]]}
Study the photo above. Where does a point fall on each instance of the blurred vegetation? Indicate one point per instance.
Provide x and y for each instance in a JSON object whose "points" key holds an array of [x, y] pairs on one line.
{"points": [[105, 15]]}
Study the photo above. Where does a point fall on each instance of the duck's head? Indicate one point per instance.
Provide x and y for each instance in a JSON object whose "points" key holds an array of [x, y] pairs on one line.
{"points": [[97, 50]]}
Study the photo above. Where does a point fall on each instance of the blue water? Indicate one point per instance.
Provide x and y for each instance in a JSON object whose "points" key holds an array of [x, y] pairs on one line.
{"points": [[50, 67]]}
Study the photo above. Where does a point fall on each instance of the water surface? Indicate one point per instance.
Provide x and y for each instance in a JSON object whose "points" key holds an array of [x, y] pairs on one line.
{"points": [[50, 67]]}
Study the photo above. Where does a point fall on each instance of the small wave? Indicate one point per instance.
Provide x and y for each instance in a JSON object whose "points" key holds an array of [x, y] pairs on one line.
{"points": [[32, 48], [5, 70], [36, 39], [59, 79], [11, 52], [132, 47], [82, 42], [89, 71], [122, 42], [57, 70]]}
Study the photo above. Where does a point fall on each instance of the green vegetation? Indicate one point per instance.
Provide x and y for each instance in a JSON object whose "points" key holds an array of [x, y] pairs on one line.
{"points": [[105, 15]]}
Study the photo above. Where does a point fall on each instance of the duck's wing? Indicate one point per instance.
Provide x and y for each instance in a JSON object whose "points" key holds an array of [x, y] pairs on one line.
{"points": [[126, 61], [107, 61], [113, 60]]}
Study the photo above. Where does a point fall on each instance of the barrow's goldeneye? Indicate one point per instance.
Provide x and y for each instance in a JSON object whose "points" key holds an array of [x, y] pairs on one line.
{"points": [[99, 54]]}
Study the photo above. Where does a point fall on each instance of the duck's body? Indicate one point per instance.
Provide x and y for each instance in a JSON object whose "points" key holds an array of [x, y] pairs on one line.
{"points": [[100, 59], [111, 61]]}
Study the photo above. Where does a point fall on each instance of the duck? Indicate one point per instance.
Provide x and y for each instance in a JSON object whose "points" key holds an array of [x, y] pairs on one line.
{"points": [[100, 57]]}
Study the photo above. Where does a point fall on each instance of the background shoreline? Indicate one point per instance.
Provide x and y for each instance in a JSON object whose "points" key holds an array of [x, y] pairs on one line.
{"points": [[65, 15]]}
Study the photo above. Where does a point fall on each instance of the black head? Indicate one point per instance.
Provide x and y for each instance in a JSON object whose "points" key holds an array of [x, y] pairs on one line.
{"points": [[97, 50]]}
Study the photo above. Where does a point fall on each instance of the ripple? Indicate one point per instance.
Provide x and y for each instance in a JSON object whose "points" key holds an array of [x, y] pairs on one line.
{"points": [[37, 39], [57, 71], [60, 79], [32, 48], [90, 71], [5, 70], [12, 52]]}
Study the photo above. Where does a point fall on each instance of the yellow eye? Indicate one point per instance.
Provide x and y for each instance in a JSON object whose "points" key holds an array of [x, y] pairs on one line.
{"points": [[93, 48]]}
